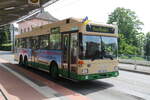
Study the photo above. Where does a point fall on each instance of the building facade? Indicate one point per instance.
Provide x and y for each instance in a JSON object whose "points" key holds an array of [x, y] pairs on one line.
{"points": [[39, 19]]}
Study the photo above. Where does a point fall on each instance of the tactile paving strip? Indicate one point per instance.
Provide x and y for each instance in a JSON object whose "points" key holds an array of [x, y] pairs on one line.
{"points": [[2, 95]]}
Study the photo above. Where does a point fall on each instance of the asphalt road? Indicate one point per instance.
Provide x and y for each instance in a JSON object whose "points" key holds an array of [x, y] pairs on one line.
{"points": [[127, 86]]}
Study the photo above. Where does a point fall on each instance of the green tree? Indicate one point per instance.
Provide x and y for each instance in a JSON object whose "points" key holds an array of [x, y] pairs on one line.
{"points": [[4, 35], [140, 43], [147, 44], [129, 26], [125, 48]]}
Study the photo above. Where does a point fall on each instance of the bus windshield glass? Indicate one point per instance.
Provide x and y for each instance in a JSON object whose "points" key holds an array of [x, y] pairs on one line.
{"points": [[98, 47]]}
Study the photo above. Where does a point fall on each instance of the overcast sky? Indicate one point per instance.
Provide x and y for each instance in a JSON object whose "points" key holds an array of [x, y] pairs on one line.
{"points": [[98, 10]]}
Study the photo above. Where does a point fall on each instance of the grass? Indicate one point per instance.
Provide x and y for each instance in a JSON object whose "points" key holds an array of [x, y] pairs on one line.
{"points": [[6, 47], [7, 44], [124, 57], [137, 58], [132, 58]]}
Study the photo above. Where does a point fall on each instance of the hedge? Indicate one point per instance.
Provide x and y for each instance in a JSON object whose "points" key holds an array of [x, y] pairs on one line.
{"points": [[6, 47]]}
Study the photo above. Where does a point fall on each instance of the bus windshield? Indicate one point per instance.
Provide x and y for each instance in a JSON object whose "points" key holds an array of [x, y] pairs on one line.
{"points": [[98, 47]]}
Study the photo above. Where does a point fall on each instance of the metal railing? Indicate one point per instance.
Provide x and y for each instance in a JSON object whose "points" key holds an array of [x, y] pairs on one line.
{"points": [[135, 59]]}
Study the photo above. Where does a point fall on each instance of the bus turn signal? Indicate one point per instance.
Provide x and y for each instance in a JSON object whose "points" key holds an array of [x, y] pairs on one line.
{"points": [[81, 62]]}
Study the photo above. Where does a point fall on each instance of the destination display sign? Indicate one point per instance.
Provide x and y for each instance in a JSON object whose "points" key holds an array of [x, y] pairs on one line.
{"points": [[100, 29]]}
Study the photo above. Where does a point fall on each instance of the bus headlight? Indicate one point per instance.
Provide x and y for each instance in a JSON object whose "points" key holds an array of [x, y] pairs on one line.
{"points": [[84, 71]]}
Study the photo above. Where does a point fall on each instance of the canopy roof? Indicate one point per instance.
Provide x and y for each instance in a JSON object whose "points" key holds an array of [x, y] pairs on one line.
{"points": [[11, 10]]}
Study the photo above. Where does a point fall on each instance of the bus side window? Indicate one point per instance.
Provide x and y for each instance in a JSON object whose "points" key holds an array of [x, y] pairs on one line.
{"points": [[43, 41], [18, 43], [28, 42], [24, 44], [34, 43], [21, 43], [55, 41]]}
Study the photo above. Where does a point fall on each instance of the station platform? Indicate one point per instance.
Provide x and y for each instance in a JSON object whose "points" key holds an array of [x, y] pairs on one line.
{"points": [[18, 83], [12, 88]]}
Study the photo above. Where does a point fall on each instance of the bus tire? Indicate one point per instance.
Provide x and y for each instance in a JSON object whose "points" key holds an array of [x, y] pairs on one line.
{"points": [[21, 60], [54, 70], [25, 61]]}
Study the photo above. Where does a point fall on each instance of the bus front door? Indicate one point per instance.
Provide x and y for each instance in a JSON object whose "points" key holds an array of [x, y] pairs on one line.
{"points": [[66, 54]]}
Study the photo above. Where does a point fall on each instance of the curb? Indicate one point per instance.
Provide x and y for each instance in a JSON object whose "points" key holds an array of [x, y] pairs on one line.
{"points": [[135, 71]]}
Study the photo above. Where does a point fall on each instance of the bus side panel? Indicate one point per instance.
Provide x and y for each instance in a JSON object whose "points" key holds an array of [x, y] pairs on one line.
{"points": [[24, 52], [45, 57]]}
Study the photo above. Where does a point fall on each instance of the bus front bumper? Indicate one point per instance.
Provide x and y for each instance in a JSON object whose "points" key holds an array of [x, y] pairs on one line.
{"points": [[96, 76]]}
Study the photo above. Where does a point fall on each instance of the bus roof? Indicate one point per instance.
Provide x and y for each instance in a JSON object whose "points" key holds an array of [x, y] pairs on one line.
{"points": [[65, 25], [94, 23]]}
